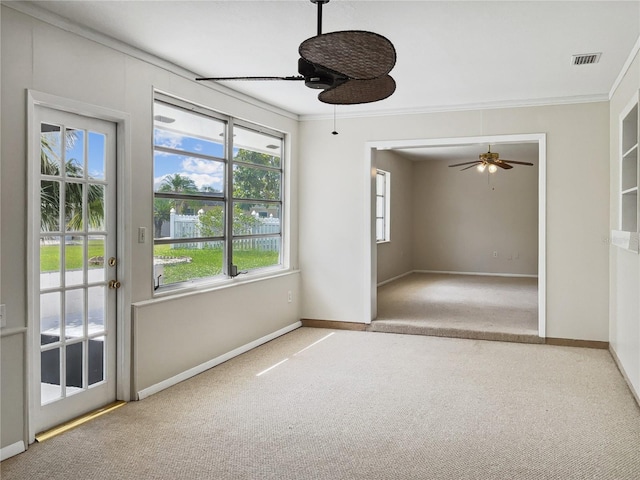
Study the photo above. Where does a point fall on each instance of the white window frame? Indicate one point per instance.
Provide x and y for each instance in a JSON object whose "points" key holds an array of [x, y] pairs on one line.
{"points": [[230, 270], [385, 194]]}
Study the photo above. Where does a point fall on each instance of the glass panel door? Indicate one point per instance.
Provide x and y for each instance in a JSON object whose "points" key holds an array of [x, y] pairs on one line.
{"points": [[77, 266]]}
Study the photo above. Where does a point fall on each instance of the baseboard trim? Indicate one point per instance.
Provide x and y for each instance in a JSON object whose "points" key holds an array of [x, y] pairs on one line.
{"points": [[482, 274], [11, 450], [395, 278], [569, 342], [169, 382], [337, 325], [616, 360]]}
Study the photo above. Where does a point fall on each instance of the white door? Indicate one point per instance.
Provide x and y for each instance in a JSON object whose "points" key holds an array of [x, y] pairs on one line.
{"points": [[75, 268]]}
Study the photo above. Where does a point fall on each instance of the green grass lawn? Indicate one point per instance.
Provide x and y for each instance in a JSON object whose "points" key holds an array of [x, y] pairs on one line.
{"points": [[50, 256], [208, 262], [204, 263]]}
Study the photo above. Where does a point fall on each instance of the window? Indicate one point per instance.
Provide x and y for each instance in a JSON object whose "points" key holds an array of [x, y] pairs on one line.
{"points": [[218, 199], [383, 198]]}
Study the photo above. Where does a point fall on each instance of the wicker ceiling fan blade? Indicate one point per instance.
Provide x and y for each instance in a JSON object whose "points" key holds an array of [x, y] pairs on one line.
{"points": [[353, 92], [356, 54], [350, 66]]}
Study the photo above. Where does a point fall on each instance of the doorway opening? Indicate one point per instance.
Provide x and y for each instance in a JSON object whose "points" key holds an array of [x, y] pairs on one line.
{"points": [[467, 255]]}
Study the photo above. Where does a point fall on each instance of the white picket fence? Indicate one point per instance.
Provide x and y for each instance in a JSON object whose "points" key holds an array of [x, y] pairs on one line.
{"points": [[188, 227]]}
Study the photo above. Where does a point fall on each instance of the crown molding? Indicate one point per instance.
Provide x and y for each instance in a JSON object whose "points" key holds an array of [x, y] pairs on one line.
{"points": [[46, 16], [625, 68], [534, 102]]}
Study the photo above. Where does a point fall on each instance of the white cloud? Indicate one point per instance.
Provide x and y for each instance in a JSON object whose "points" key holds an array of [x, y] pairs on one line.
{"points": [[202, 166], [206, 180], [167, 139]]}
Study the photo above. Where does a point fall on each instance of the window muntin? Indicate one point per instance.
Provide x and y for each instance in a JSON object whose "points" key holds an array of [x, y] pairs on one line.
{"points": [[383, 231], [256, 147], [179, 129], [225, 198]]}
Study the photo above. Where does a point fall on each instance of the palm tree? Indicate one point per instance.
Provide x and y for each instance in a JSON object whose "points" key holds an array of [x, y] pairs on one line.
{"points": [[161, 214], [178, 184], [50, 163]]}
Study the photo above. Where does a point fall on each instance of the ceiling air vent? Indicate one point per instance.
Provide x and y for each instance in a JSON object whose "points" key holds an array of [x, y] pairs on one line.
{"points": [[585, 58]]}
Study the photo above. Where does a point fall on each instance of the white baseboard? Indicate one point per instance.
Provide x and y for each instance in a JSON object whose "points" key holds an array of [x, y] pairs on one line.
{"points": [[395, 278], [478, 273], [635, 393], [11, 450], [169, 382]]}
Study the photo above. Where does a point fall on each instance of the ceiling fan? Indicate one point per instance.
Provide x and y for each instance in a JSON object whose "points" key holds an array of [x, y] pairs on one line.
{"points": [[491, 161], [350, 67]]}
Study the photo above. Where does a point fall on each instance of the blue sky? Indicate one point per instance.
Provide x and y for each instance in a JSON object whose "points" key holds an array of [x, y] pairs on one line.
{"points": [[205, 173], [76, 148]]}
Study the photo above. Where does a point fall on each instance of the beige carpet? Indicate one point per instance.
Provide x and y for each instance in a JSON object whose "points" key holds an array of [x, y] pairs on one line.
{"points": [[361, 405], [463, 306]]}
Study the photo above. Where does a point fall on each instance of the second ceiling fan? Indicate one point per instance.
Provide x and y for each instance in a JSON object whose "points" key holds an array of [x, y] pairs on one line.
{"points": [[350, 67], [491, 161]]}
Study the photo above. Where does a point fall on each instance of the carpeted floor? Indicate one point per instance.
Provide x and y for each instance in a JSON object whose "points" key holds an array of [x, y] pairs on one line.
{"points": [[362, 405], [463, 306]]}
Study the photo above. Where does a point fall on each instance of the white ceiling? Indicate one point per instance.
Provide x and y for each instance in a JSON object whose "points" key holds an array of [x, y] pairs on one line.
{"points": [[451, 54], [522, 152]]}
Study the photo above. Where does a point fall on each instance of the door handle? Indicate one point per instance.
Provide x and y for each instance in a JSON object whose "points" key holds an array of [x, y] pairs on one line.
{"points": [[115, 284]]}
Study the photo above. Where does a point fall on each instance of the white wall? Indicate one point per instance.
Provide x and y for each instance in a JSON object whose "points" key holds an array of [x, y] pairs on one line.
{"points": [[577, 207], [624, 326], [395, 258], [462, 217], [446, 220], [39, 56]]}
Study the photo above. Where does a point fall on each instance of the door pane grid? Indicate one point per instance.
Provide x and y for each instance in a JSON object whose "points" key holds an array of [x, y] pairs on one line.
{"points": [[72, 260]]}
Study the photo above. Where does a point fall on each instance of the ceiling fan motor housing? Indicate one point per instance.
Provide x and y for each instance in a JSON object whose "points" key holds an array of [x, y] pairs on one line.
{"points": [[315, 77], [489, 157]]}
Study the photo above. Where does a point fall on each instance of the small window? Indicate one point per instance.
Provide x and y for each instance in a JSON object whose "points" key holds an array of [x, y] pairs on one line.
{"points": [[383, 202], [218, 202]]}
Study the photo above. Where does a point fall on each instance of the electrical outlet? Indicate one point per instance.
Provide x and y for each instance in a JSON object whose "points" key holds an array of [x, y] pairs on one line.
{"points": [[495, 254], [3, 316], [142, 234], [289, 296]]}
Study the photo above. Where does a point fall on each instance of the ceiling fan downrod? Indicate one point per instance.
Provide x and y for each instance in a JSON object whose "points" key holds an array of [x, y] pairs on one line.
{"points": [[319, 3]]}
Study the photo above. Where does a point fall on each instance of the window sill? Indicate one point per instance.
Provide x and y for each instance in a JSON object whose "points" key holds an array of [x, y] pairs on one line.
{"points": [[207, 287], [383, 241]]}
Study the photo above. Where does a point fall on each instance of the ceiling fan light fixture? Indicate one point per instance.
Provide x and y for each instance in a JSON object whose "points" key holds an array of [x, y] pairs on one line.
{"points": [[492, 168], [482, 167]]}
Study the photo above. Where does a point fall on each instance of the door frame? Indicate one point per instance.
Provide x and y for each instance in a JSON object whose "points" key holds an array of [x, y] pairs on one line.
{"points": [[122, 121], [369, 242]]}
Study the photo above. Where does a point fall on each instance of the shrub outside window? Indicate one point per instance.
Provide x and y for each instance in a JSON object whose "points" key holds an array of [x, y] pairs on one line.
{"points": [[218, 195]]}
